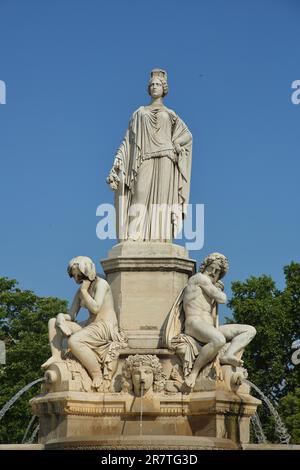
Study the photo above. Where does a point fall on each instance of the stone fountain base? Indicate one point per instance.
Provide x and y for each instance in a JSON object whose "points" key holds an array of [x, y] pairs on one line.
{"points": [[145, 280], [152, 442], [206, 419], [142, 443]]}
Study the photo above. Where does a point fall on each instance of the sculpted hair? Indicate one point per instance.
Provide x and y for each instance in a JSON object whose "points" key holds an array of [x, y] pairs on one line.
{"points": [[163, 82], [136, 361], [221, 260], [85, 266]]}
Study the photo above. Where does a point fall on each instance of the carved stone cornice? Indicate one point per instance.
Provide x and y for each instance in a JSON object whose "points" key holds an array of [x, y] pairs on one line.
{"points": [[180, 265]]}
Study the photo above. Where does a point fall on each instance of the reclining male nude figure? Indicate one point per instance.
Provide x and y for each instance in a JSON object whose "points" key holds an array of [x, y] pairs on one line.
{"points": [[203, 292]]}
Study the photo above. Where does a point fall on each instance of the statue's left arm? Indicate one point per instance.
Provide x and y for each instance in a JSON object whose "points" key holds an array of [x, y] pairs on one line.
{"points": [[181, 134], [184, 139]]}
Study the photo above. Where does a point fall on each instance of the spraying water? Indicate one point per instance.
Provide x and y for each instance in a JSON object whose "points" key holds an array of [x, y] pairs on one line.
{"points": [[280, 429], [141, 410], [10, 403], [258, 430], [28, 427], [35, 431]]}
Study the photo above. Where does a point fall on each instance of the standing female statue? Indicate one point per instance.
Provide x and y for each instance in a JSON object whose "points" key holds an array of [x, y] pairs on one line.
{"points": [[151, 170]]}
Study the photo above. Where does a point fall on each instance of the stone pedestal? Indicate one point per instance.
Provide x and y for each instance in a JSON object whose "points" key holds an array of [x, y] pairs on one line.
{"points": [[142, 442], [69, 417], [146, 278], [72, 415]]}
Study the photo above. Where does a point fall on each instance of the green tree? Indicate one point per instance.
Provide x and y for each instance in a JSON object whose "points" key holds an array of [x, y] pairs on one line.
{"points": [[290, 409], [276, 316], [23, 326]]}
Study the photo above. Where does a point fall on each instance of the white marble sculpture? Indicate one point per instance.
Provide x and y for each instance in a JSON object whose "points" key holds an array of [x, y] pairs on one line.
{"points": [[192, 328], [151, 170], [143, 374], [177, 376], [94, 343]]}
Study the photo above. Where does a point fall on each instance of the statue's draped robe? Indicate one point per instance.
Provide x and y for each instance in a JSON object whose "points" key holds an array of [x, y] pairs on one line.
{"points": [[155, 182], [105, 340]]}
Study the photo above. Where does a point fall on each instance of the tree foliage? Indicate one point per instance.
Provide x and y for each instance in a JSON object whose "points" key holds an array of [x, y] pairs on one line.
{"points": [[276, 316], [290, 409], [23, 327]]}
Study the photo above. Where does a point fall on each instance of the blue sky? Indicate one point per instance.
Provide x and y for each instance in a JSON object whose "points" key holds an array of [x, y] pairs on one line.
{"points": [[76, 70]]}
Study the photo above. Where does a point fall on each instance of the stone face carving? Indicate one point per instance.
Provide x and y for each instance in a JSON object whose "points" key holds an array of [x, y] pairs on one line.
{"points": [[97, 342], [175, 382], [151, 170], [193, 329], [142, 374]]}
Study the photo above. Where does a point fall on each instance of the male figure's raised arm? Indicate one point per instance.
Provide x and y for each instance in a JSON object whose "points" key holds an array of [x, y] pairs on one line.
{"points": [[208, 287]]}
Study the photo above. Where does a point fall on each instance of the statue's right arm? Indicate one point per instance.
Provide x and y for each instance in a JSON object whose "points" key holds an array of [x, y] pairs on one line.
{"points": [[120, 154], [75, 307], [208, 287], [117, 165], [117, 169]]}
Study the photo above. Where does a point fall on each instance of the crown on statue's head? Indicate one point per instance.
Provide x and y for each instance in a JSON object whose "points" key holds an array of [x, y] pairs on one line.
{"points": [[162, 74]]}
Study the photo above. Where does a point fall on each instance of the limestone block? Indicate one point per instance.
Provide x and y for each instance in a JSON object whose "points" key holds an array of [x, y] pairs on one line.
{"points": [[145, 279], [74, 415]]}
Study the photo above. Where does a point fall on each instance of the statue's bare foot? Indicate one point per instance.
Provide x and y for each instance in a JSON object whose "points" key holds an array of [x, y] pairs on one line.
{"points": [[66, 330], [97, 382], [50, 361], [191, 380], [231, 360]]}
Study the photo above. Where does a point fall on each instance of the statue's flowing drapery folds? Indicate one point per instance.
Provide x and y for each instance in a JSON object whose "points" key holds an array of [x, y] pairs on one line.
{"points": [[154, 184]]}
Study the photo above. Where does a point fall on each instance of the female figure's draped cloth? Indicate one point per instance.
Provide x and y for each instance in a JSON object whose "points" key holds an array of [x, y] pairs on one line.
{"points": [[154, 189], [105, 340]]}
